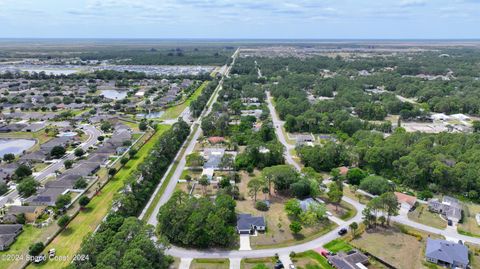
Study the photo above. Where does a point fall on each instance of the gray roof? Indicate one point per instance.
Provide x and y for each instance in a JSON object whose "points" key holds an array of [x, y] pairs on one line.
{"points": [[446, 251], [449, 206], [348, 260], [213, 157], [10, 228], [305, 203], [15, 209], [246, 221]]}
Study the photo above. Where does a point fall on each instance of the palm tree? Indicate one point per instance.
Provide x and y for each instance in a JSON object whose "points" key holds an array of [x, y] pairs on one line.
{"points": [[354, 226], [204, 182]]}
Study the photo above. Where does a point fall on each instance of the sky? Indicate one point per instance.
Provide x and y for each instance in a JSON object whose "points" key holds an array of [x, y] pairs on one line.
{"points": [[237, 19]]}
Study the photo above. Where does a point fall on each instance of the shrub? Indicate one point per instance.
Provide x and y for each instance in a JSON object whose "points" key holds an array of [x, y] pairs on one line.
{"points": [[261, 205]]}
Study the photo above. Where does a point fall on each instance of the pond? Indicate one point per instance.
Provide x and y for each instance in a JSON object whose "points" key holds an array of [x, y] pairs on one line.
{"points": [[15, 146], [114, 94], [151, 115]]}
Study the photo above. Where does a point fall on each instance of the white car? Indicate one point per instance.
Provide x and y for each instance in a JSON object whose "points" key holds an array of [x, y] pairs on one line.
{"points": [[291, 266], [39, 259], [51, 253]]}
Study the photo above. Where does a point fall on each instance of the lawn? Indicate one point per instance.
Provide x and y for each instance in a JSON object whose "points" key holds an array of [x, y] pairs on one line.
{"points": [[348, 192], [344, 210], [402, 250], [469, 224], [421, 214], [249, 263], [210, 264], [278, 233], [337, 245], [68, 242], [175, 111], [310, 260], [29, 236]]}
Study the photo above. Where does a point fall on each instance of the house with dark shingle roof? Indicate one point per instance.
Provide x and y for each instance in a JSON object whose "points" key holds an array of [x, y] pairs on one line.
{"points": [[353, 259], [248, 224], [8, 233], [449, 207], [445, 253]]}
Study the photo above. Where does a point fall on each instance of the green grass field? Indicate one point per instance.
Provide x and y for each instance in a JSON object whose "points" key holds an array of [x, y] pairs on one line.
{"points": [[311, 260], [175, 111], [338, 245], [68, 242]]}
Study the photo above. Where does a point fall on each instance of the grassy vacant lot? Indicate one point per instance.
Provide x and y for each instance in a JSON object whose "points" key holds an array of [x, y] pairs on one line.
{"points": [[210, 264], [348, 192], [344, 210], [421, 214], [474, 255], [311, 260], [250, 263], [278, 233], [68, 242], [175, 111], [402, 250], [469, 225]]}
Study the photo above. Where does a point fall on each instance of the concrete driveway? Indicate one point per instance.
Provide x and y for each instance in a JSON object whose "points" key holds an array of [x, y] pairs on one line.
{"points": [[245, 242]]}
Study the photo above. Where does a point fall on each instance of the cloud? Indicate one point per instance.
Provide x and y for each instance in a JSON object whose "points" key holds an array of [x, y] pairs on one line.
{"points": [[412, 3]]}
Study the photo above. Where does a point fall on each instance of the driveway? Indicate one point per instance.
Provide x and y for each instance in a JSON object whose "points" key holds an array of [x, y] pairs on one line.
{"points": [[185, 263], [285, 259], [245, 242], [235, 263]]}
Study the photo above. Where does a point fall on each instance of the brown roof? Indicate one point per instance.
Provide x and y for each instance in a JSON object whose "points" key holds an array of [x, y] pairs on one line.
{"points": [[343, 170], [405, 198], [216, 139]]}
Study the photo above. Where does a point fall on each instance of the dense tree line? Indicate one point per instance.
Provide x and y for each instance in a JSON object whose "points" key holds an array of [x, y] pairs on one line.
{"points": [[193, 222], [197, 105], [122, 241]]}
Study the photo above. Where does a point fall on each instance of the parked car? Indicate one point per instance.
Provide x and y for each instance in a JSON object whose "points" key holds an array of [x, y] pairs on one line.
{"points": [[39, 259], [342, 231], [291, 266], [450, 223], [51, 253], [279, 265]]}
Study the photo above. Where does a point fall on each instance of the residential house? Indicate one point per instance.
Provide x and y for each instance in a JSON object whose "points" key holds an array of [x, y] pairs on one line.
{"points": [[407, 202], [248, 224], [445, 253], [8, 233], [353, 259], [31, 212], [449, 207]]}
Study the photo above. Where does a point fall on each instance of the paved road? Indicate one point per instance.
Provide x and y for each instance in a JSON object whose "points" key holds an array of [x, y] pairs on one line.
{"points": [[93, 135], [281, 137], [181, 164]]}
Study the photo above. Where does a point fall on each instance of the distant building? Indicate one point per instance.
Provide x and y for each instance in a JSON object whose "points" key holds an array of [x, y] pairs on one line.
{"points": [[445, 253], [31, 212], [449, 207], [248, 224]]}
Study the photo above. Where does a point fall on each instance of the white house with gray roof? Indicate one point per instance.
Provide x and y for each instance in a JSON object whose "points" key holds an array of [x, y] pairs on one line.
{"points": [[449, 207]]}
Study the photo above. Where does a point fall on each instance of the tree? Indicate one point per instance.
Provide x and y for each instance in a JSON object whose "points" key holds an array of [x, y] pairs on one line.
{"points": [[22, 171], [3, 188], [80, 183], [21, 218], [292, 207], [375, 185], [355, 175], [204, 182], [101, 138], [79, 152], [255, 185], [301, 188], [295, 227], [261, 205], [36, 249], [382, 220], [83, 201], [391, 205], [476, 126], [335, 195], [63, 221], [63, 200], [68, 164], [8, 157], [195, 160], [226, 162], [282, 176], [57, 152], [27, 187], [106, 126], [142, 126], [124, 161], [354, 226]]}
